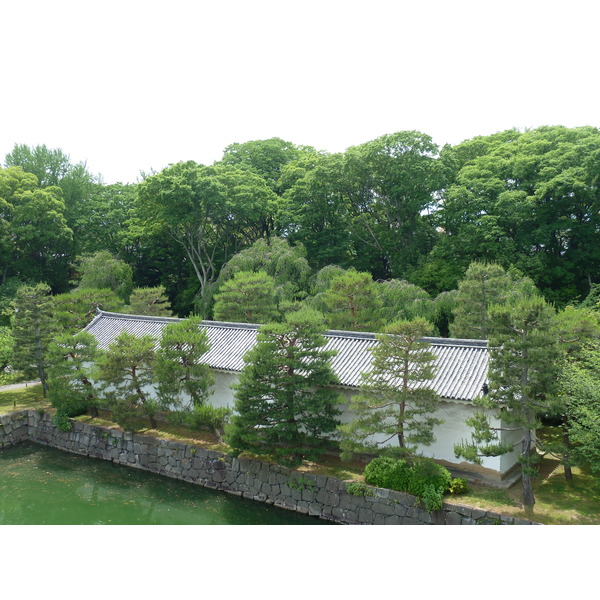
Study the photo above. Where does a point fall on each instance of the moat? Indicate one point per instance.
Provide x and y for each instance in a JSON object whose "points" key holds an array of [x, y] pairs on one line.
{"points": [[44, 486]]}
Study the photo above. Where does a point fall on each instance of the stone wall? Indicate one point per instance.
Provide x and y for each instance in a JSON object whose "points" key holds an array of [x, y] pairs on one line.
{"points": [[323, 497]]}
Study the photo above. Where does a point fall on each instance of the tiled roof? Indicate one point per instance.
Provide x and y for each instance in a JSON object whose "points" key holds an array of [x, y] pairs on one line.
{"points": [[461, 364]]}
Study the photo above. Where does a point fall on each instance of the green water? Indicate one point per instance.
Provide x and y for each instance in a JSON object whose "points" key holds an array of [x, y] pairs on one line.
{"points": [[45, 486]]}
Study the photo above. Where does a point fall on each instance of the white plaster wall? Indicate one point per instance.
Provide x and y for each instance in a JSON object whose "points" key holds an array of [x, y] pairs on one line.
{"points": [[452, 431]]}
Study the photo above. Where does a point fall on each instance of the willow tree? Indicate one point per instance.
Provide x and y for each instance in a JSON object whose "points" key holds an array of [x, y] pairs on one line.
{"points": [[396, 404]]}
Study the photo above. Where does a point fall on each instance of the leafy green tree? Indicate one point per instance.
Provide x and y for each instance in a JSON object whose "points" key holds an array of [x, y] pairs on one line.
{"points": [[104, 271], [149, 301], [33, 329], [285, 405], [34, 235], [124, 374], [315, 211], [580, 395], [211, 212], [183, 379], [484, 285], [525, 199], [578, 333], [523, 373], [395, 403], [248, 298], [70, 386], [6, 347], [53, 168], [390, 184], [352, 302], [74, 310], [264, 157]]}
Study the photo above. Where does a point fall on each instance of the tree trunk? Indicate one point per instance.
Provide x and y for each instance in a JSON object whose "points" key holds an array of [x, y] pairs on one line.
{"points": [[526, 468]]}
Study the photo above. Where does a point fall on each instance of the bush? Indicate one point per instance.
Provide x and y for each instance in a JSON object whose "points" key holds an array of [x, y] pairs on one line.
{"points": [[458, 486], [66, 400], [209, 417], [422, 478], [62, 421]]}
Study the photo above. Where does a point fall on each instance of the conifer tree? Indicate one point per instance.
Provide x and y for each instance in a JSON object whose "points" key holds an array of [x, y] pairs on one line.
{"points": [[33, 329], [353, 302], [484, 285], [284, 402], [524, 369], [395, 404], [183, 380], [71, 389], [247, 298], [151, 301], [124, 374]]}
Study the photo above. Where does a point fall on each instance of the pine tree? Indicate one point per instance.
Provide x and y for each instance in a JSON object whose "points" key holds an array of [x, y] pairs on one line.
{"points": [[285, 404], [125, 373], [247, 298], [183, 380], [151, 301], [395, 402], [484, 285], [33, 330], [524, 369], [352, 302], [70, 387]]}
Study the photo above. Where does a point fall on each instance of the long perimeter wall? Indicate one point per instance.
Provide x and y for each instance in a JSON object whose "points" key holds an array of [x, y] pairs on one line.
{"points": [[323, 497]]}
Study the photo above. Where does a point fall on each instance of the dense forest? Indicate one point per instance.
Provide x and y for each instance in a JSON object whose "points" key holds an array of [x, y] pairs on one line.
{"points": [[397, 220]]}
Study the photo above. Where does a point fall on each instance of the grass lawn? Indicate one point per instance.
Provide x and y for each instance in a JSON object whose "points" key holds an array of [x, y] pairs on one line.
{"points": [[558, 501], [27, 398]]}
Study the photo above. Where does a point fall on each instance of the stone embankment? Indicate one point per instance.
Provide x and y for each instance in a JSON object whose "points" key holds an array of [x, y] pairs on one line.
{"points": [[324, 497]]}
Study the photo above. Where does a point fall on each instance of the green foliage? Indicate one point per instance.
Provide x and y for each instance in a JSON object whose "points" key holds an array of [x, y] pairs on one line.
{"points": [[524, 368], [6, 347], [70, 387], [484, 285], [206, 416], [33, 329], [248, 298], [422, 478], [285, 264], [580, 393], [124, 373], [352, 302], [101, 270], [395, 402], [34, 235], [75, 310], [458, 487], [183, 379], [62, 421], [285, 405], [149, 301], [358, 488]]}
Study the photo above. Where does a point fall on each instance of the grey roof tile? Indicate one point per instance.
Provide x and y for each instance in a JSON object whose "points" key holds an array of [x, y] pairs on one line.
{"points": [[461, 364]]}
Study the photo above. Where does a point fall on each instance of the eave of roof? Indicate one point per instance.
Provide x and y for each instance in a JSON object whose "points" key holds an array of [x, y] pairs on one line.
{"points": [[461, 364]]}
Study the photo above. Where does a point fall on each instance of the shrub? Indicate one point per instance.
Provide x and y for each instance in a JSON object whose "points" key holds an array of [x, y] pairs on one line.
{"points": [[388, 473], [422, 478], [458, 486], [209, 417], [62, 421]]}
